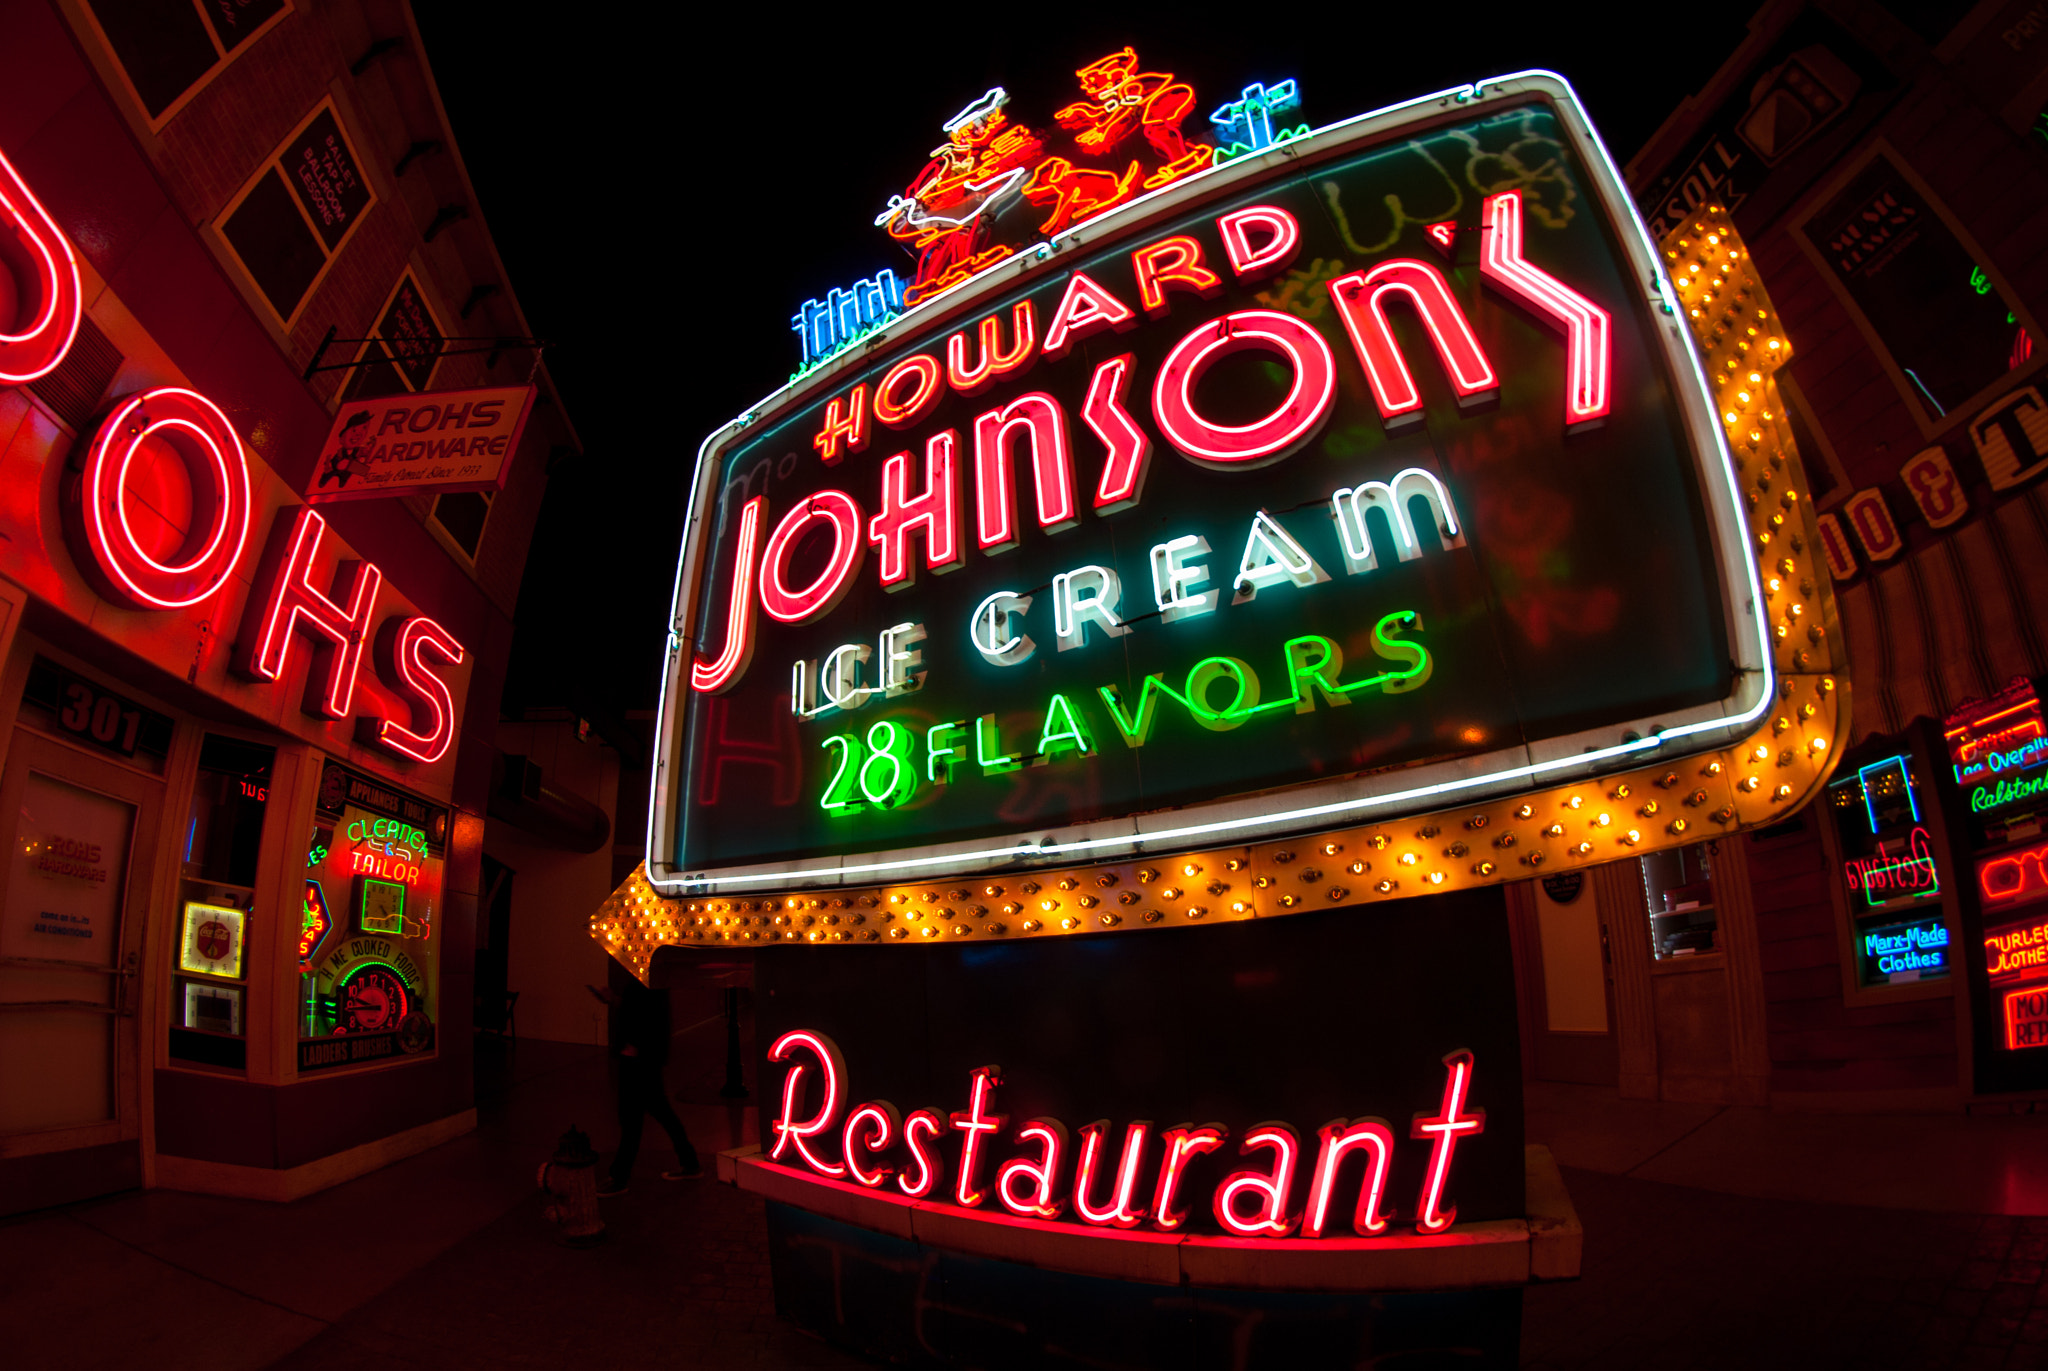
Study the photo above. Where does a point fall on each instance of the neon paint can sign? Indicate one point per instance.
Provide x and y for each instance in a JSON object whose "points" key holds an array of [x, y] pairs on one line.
{"points": [[1266, 509]]}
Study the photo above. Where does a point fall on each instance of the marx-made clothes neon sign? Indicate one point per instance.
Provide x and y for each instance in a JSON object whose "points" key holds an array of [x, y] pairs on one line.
{"points": [[1293, 495]]}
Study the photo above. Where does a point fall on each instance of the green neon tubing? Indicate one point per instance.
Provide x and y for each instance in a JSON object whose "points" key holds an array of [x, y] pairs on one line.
{"points": [[988, 746], [1070, 736], [940, 749]]}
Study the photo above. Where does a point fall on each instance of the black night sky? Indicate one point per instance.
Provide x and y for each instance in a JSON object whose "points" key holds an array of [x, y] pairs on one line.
{"points": [[664, 203]]}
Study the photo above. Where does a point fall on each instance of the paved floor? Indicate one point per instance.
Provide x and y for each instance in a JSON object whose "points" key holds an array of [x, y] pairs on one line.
{"points": [[1716, 1237]]}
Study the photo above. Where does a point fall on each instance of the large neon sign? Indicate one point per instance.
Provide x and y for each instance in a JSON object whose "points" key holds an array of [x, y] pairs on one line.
{"points": [[1290, 1187], [1134, 531]]}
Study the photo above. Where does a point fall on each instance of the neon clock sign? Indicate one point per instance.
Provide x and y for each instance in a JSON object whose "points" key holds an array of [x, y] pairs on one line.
{"points": [[1123, 550]]}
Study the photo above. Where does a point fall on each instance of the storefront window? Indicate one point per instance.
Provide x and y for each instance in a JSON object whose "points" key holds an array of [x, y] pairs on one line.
{"points": [[1679, 888], [369, 954], [1897, 927], [217, 901]]}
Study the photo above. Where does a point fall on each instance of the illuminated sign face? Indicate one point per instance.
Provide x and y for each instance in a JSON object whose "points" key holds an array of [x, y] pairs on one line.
{"points": [[1294, 496]]}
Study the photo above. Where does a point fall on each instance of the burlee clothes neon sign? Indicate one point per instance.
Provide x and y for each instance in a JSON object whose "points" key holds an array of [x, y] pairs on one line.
{"points": [[1116, 1177], [1315, 495], [290, 602]]}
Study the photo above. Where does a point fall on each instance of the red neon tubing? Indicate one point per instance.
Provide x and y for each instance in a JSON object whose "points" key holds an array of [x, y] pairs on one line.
{"points": [[723, 670], [37, 350], [1361, 300], [849, 545], [416, 636], [180, 419], [1588, 329], [1293, 422]]}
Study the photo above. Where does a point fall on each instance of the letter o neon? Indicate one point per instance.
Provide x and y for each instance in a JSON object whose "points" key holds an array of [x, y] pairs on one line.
{"points": [[1270, 438], [899, 413], [203, 439], [849, 544]]}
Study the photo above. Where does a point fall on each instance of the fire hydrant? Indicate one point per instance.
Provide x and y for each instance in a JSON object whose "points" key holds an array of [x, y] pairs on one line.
{"points": [[569, 1181]]}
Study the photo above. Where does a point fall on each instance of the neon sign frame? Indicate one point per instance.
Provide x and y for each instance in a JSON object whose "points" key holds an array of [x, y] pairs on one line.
{"points": [[1312, 804]]}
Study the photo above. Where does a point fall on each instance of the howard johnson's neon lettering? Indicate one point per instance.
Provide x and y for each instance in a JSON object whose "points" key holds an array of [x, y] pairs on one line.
{"points": [[1410, 424], [875, 1141]]}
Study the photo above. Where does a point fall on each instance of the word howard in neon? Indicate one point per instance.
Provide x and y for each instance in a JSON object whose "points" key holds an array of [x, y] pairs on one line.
{"points": [[827, 327], [1245, 125], [1147, 1183], [1907, 873], [1257, 240]]}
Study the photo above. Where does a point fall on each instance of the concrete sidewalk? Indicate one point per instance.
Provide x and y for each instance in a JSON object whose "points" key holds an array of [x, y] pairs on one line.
{"points": [[1715, 1237]]}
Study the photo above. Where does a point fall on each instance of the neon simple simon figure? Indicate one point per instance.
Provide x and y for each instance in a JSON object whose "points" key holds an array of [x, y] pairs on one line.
{"points": [[943, 214]]}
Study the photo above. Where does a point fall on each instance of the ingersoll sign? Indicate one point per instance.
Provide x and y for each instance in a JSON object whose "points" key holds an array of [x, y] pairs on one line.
{"points": [[1363, 477]]}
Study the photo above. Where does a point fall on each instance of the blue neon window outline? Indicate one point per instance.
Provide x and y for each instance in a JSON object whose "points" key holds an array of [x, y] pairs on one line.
{"points": [[1905, 774]]}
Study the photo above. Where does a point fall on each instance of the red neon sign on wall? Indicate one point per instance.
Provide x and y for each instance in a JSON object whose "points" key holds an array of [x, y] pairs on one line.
{"points": [[128, 562], [1051, 1170]]}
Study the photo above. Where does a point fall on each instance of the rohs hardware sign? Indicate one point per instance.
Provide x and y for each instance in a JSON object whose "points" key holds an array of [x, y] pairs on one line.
{"points": [[1303, 493]]}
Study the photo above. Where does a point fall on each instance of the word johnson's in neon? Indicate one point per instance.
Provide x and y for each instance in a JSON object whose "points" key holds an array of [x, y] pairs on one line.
{"points": [[1292, 1186], [962, 494]]}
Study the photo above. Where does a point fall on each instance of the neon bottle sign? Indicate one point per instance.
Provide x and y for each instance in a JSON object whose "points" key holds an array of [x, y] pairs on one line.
{"points": [[1055, 1176]]}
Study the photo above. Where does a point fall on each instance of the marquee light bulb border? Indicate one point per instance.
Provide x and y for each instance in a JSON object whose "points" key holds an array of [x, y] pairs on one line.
{"points": [[1715, 790]]}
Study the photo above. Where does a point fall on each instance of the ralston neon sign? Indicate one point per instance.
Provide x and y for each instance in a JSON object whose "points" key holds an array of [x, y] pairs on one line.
{"points": [[875, 1145], [126, 567], [1488, 541]]}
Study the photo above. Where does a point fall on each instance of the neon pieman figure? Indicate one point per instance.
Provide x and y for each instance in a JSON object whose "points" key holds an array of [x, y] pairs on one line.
{"points": [[1248, 121]]}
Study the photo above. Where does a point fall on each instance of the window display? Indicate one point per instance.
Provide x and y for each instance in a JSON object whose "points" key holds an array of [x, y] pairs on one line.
{"points": [[217, 900], [1679, 888], [1899, 931], [369, 960]]}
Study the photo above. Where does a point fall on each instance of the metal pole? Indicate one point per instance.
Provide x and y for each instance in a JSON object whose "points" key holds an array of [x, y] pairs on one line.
{"points": [[733, 1090]]}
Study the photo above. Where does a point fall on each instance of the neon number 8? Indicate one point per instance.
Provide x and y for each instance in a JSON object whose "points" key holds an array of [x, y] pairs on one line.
{"points": [[838, 796], [888, 746]]}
